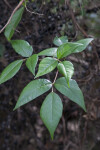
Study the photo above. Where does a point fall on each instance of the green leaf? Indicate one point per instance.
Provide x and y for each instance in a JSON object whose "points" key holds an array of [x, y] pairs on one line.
{"points": [[9, 31], [33, 90], [74, 93], [46, 65], [49, 52], [85, 43], [61, 40], [66, 68], [51, 112], [31, 63], [66, 49], [22, 47], [10, 71]]}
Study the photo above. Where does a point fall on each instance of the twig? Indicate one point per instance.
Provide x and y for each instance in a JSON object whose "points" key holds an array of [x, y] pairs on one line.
{"points": [[55, 77], [20, 3], [86, 79], [77, 26], [54, 80], [6, 2], [78, 61], [32, 12]]}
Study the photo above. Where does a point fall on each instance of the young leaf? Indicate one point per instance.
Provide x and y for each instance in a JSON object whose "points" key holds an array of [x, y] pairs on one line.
{"points": [[32, 90], [9, 31], [66, 49], [61, 40], [51, 112], [31, 63], [22, 47], [49, 52], [66, 68], [74, 93], [10, 71], [85, 43], [46, 65]]}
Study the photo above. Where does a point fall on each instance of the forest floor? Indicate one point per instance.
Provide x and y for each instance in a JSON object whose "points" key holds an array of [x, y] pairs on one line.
{"points": [[23, 129]]}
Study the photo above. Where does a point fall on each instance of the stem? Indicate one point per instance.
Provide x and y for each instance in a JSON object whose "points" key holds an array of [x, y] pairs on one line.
{"points": [[20, 3], [7, 3], [32, 12], [58, 60], [55, 78]]}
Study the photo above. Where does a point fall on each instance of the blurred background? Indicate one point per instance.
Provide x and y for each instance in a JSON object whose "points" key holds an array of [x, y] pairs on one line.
{"points": [[23, 129]]}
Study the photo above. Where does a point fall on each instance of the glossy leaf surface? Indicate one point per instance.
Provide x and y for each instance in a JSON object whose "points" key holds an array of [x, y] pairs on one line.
{"points": [[10, 71], [66, 68], [74, 93], [85, 43], [51, 112], [49, 52], [66, 49], [60, 40], [31, 63], [46, 65], [9, 31], [33, 90], [22, 47]]}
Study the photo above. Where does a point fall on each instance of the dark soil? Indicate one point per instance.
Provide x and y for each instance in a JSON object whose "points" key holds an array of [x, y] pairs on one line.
{"points": [[23, 129]]}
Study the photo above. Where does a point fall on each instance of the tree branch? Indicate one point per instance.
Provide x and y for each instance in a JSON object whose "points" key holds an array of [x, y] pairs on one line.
{"points": [[20, 3], [77, 26]]}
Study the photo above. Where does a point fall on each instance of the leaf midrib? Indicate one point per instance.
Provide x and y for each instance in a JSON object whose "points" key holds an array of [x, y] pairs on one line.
{"points": [[48, 67], [26, 50], [10, 71], [64, 86], [37, 88], [51, 65]]}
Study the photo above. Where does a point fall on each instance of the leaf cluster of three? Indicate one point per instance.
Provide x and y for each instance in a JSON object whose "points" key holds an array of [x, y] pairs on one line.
{"points": [[51, 109]]}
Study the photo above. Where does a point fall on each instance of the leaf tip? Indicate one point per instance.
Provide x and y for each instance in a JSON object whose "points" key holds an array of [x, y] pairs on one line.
{"points": [[14, 108], [85, 109]]}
